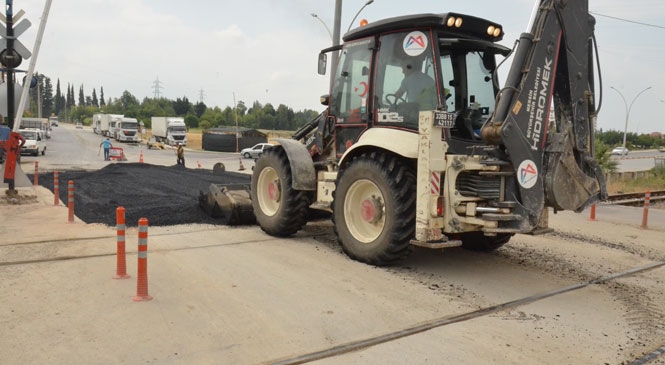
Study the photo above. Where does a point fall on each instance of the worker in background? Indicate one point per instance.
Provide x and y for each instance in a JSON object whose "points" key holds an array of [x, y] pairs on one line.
{"points": [[180, 152], [106, 144]]}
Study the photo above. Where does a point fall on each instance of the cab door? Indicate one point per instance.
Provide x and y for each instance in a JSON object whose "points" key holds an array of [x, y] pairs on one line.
{"points": [[350, 101]]}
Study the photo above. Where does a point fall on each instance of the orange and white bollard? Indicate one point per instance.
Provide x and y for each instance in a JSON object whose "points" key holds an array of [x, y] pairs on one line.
{"points": [[592, 215], [242, 167], [141, 157], [56, 189], [645, 212], [36, 173], [198, 164], [70, 201], [142, 277], [121, 261]]}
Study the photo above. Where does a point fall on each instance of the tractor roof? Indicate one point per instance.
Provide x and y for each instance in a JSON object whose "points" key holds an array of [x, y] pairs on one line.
{"points": [[458, 25]]}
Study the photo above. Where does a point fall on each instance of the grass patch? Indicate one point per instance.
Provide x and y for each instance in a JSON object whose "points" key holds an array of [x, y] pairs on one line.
{"points": [[655, 181]]}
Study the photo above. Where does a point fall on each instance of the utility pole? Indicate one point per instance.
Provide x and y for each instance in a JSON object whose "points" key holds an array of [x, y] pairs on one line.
{"points": [[336, 30]]}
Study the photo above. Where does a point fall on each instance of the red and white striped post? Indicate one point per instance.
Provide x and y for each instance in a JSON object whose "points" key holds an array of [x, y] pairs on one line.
{"points": [[56, 189], [121, 262], [70, 201], [645, 212], [36, 179], [142, 277]]}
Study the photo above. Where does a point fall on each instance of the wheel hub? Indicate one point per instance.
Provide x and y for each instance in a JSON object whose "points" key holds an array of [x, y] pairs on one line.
{"points": [[371, 210], [274, 192]]}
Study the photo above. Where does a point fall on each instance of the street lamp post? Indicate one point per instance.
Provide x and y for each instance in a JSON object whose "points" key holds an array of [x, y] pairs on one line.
{"points": [[358, 13], [628, 108], [324, 24], [335, 34]]}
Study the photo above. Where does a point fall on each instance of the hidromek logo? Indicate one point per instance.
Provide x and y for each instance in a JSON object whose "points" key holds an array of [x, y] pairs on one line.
{"points": [[542, 104]]}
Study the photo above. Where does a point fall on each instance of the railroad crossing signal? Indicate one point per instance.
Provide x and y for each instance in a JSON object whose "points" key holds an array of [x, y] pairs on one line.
{"points": [[20, 51]]}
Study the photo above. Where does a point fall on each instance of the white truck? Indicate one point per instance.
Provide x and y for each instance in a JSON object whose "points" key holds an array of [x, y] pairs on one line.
{"points": [[101, 123], [127, 130], [170, 130]]}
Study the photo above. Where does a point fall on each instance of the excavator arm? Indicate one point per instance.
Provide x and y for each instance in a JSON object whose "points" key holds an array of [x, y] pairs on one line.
{"points": [[552, 74]]}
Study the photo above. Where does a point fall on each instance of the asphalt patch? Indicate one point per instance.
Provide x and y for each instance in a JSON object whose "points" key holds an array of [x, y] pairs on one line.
{"points": [[165, 195]]}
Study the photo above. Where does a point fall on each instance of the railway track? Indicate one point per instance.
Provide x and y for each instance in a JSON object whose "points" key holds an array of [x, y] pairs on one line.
{"points": [[334, 351], [635, 199]]}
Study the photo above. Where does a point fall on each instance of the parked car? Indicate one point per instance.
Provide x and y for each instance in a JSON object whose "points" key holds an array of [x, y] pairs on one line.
{"points": [[255, 151], [34, 142], [662, 149], [621, 151], [79, 125]]}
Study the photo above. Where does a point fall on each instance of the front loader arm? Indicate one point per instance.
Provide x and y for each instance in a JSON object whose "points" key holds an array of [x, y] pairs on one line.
{"points": [[553, 158]]}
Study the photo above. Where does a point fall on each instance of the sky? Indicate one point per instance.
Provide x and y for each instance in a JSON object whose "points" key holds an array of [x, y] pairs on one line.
{"points": [[266, 50]]}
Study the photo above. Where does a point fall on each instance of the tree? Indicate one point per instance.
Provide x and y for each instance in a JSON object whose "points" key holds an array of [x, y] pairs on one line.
{"points": [[182, 106], [47, 96], [200, 108], [101, 97], [59, 99], [128, 101], [81, 96], [191, 121], [94, 100]]}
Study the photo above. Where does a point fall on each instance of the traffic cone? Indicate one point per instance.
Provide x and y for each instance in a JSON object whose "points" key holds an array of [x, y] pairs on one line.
{"points": [[241, 168], [198, 164], [141, 157]]}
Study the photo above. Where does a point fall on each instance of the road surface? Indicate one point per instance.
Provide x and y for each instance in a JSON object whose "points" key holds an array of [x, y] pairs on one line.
{"points": [[592, 292]]}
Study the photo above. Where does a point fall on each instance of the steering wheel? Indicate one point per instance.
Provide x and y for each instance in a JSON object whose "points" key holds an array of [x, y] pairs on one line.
{"points": [[395, 99]]}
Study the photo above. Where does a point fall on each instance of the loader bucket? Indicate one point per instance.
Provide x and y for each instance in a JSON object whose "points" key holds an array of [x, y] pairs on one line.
{"points": [[230, 203]]}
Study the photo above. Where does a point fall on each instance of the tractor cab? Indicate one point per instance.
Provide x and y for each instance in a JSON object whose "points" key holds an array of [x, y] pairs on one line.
{"points": [[391, 70]]}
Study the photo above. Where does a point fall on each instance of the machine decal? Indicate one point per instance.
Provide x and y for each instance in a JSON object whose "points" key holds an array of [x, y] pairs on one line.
{"points": [[384, 115], [361, 92], [538, 104], [415, 43], [528, 174]]}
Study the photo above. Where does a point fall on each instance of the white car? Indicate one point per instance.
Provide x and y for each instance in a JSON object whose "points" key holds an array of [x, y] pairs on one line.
{"points": [[34, 142], [256, 150], [79, 125], [621, 151]]}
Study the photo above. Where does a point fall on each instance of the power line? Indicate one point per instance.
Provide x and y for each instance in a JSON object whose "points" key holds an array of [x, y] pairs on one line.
{"points": [[628, 20]]}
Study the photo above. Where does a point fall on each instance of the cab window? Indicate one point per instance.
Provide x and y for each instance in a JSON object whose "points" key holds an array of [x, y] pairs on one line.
{"points": [[351, 85], [406, 81]]}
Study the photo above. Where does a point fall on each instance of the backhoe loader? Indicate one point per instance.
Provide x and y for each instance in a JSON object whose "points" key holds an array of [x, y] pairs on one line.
{"points": [[419, 145]]}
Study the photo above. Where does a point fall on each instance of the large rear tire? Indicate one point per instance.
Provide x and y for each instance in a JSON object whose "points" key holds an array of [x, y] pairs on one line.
{"points": [[279, 209], [374, 208]]}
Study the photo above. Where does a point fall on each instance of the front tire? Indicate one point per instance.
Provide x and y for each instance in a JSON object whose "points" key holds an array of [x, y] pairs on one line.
{"points": [[374, 208], [279, 209], [246, 155]]}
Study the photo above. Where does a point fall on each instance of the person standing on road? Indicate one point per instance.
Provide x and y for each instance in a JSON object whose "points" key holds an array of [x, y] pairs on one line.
{"points": [[107, 148], [180, 152]]}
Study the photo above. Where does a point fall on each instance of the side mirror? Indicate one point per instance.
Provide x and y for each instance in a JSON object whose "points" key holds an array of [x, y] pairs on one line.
{"points": [[323, 63]]}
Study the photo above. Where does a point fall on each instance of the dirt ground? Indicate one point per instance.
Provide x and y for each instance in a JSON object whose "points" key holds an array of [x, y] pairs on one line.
{"points": [[166, 195]]}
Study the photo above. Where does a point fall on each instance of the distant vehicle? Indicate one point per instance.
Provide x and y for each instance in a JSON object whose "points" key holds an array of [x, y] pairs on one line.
{"points": [[126, 130], [169, 130], [34, 142], [256, 150], [53, 121], [621, 151], [662, 149], [79, 125], [101, 123]]}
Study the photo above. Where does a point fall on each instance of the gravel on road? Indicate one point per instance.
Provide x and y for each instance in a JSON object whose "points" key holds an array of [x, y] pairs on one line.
{"points": [[165, 195]]}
